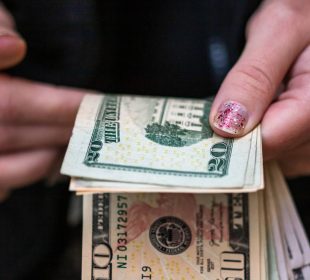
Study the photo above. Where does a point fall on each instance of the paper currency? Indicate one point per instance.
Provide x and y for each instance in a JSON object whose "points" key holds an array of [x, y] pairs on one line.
{"points": [[170, 200], [263, 238], [278, 262], [195, 236], [286, 234], [171, 236], [134, 144]]}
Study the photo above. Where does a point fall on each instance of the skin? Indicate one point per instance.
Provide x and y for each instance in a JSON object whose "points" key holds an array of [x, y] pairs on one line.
{"points": [[276, 56], [36, 119]]}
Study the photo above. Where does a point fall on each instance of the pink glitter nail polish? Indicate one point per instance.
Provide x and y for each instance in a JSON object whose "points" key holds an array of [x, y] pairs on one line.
{"points": [[231, 117]]}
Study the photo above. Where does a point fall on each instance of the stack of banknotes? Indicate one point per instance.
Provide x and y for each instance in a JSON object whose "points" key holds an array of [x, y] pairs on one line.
{"points": [[166, 198]]}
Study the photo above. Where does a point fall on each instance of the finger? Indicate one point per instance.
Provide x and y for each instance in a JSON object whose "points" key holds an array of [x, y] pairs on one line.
{"points": [[14, 138], [286, 125], [28, 102], [296, 163], [24, 168], [276, 35], [12, 45]]}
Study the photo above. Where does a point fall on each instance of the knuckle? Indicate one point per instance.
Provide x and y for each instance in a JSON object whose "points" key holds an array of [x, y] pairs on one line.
{"points": [[254, 80]]}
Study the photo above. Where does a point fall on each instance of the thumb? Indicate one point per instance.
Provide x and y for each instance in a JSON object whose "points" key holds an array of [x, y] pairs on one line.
{"points": [[275, 36], [12, 46]]}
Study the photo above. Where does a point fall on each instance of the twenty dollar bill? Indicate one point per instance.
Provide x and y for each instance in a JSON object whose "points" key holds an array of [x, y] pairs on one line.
{"points": [[145, 141]]}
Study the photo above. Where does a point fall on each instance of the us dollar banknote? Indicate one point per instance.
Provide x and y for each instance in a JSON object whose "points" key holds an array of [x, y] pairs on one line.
{"points": [[288, 244], [171, 236], [137, 143]]}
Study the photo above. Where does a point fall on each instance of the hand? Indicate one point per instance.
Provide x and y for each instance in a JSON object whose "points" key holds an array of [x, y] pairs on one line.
{"points": [[277, 50], [36, 119]]}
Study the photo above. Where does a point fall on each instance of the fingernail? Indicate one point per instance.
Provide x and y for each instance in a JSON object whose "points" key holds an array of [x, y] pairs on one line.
{"points": [[231, 117]]}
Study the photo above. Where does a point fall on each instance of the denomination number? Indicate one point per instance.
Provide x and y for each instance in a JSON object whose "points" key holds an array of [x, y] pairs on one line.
{"points": [[93, 154], [232, 266], [218, 149], [218, 162], [96, 146]]}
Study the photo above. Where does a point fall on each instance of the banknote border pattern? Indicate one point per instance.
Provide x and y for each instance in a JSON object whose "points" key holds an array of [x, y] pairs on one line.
{"points": [[99, 124], [101, 230], [239, 236]]}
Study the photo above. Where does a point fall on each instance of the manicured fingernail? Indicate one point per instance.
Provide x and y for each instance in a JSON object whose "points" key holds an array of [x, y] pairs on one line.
{"points": [[231, 117]]}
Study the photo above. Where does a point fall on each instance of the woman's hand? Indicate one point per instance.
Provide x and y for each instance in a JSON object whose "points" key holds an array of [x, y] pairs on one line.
{"points": [[271, 83], [36, 119]]}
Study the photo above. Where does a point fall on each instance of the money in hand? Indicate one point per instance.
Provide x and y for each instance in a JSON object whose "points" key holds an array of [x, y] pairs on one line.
{"points": [[157, 144], [166, 198]]}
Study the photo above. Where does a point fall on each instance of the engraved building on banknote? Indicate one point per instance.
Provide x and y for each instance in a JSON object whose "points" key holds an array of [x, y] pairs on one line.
{"points": [[179, 122]]}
